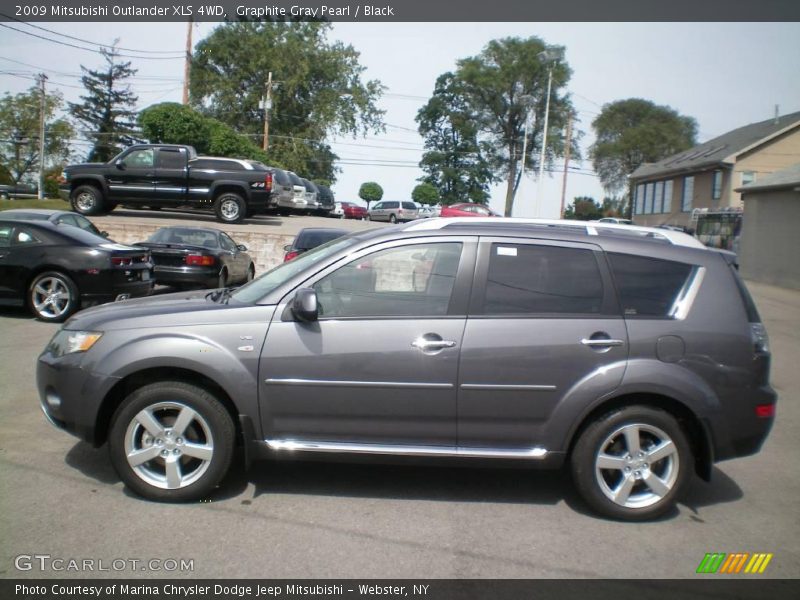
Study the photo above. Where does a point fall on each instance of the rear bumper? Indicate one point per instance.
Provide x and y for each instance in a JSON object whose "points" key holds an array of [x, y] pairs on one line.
{"points": [[204, 276], [745, 433]]}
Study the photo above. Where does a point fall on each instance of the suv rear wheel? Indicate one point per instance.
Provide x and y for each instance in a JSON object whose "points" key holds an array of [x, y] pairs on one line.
{"points": [[632, 463], [171, 441]]}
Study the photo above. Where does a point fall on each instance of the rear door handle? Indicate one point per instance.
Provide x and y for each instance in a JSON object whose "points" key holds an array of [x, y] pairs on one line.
{"points": [[431, 343]]}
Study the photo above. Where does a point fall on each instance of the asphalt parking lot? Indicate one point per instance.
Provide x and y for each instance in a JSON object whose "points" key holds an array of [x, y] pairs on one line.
{"points": [[60, 497]]}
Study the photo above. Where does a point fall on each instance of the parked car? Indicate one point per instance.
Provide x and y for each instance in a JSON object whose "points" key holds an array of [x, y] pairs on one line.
{"points": [[165, 175], [354, 211], [325, 199], [18, 191], [55, 269], [337, 212], [282, 189], [309, 238], [616, 220], [635, 356], [393, 211], [198, 257], [312, 204], [298, 203], [466, 209], [427, 211], [57, 217]]}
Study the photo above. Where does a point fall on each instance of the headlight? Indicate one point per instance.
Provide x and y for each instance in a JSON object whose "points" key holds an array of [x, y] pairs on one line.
{"points": [[67, 342]]}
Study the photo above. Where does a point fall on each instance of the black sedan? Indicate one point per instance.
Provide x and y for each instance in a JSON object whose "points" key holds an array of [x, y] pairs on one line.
{"points": [[309, 238], [57, 217], [198, 257], [54, 270]]}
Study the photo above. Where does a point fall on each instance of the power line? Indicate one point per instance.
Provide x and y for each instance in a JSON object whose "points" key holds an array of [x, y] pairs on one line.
{"points": [[88, 49], [77, 39]]}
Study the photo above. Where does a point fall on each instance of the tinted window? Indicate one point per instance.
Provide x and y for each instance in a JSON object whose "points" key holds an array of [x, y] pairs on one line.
{"points": [[530, 279], [23, 237], [281, 177], [171, 159], [191, 237], [5, 236], [647, 286], [391, 205], [409, 206], [227, 243], [311, 239], [415, 280]]}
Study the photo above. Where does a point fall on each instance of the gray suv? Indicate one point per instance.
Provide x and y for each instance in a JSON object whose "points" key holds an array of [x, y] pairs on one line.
{"points": [[633, 355]]}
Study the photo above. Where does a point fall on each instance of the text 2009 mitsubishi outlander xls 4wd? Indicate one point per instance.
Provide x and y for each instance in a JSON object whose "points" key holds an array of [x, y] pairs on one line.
{"points": [[635, 355]]}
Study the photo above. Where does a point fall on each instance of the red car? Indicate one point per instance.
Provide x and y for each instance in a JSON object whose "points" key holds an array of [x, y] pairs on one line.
{"points": [[353, 211], [467, 210]]}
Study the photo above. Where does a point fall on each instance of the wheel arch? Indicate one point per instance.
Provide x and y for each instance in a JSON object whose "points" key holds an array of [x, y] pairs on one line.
{"points": [[221, 187], [95, 181], [133, 381], [695, 428]]}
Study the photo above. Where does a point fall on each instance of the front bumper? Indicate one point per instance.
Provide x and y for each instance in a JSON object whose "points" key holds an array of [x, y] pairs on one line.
{"points": [[71, 397]]}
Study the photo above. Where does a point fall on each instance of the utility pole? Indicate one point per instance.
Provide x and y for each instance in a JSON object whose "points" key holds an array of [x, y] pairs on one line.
{"points": [[566, 162], [187, 64], [267, 105], [42, 78]]}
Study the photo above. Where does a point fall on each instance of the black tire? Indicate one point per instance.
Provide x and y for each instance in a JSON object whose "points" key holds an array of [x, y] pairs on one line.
{"points": [[251, 273], [87, 200], [210, 434], [392, 219], [230, 207], [646, 484], [53, 296], [222, 280]]}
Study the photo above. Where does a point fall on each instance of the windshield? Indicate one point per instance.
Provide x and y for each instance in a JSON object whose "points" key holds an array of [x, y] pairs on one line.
{"points": [[271, 280]]}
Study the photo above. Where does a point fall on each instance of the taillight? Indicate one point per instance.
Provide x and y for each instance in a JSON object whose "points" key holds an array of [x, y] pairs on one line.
{"points": [[268, 181], [760, 338], [121, 261], [200, 260], [765, 411], [290, 255]]}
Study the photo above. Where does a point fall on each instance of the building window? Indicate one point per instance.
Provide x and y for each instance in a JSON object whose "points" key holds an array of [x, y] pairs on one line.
{"points": [[748, 177], [658, 203], [688, 194], [668, 196], [639, 206], [716, 185], [648, 198]]}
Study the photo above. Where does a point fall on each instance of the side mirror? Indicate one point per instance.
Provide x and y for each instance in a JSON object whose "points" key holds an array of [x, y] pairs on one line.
{"points": [[304, 305], [287, 247], [120, 164], [241, 248], [104, 234]]}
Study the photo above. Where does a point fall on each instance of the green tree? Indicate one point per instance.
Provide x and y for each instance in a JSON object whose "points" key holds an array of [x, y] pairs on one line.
{"points": [[318, 89], [370, 192], [107, 110], [583, 208], [19, 124], [632, 132], [454, 161], [425, 193], [505, 82]]}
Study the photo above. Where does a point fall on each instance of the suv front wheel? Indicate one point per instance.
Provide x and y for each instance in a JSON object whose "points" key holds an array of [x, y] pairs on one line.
{"points": [[171, 441], [632, 463]]}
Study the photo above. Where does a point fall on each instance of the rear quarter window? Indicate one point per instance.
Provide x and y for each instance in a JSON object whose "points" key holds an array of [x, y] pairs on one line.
{"points": [[648, 287]]}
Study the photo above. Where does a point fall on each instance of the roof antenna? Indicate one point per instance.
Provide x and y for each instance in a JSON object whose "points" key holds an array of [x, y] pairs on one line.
{"points": [[777, 113]]}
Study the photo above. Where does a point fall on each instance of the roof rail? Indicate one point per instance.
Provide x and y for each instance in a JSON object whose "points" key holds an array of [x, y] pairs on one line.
{"points": [[676, 238]]}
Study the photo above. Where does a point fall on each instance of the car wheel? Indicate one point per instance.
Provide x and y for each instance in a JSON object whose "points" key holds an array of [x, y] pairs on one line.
{"points": [[230, 207], [251, 272], [222, 280], [171, 441], [392, 219], [632, 463], [87, 200], [53, 296], [341, 216]]}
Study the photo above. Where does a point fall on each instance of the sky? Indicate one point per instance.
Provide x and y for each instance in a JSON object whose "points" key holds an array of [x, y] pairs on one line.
{"points": [[725, 75]]}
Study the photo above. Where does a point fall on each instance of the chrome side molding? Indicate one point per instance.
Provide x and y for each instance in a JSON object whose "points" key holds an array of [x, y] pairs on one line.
{"points": [[363, 384], [403, 450]]}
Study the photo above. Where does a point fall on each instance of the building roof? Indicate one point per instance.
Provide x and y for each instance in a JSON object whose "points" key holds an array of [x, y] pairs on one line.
{"points": [[721, 149], [785, 178]]}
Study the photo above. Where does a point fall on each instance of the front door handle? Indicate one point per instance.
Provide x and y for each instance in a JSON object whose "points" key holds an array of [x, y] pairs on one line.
{"points": [[601, 342], [432, 343]]}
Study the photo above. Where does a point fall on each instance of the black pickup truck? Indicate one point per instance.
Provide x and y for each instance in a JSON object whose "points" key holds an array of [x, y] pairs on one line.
{"points": [[165, 175]]}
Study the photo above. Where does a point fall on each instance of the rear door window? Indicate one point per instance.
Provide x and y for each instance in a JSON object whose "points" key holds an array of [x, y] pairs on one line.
{"points": [[169, 158], [532, 279]]}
